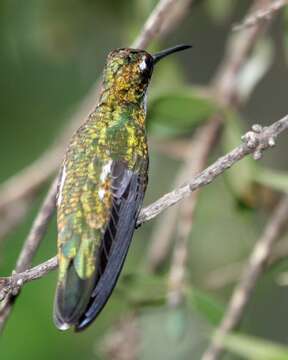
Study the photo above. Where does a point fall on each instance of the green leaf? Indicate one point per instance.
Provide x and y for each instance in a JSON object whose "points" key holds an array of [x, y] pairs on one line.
{"points": [[255, 349], [205, 305], [179, 111], [241, 175], [275, 179]]}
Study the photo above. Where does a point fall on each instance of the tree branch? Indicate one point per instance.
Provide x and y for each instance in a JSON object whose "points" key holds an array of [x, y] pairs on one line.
{"points": [[161, 20], [247, 283], [13, 284], [254, 142], [261, 15], [237, 50]]}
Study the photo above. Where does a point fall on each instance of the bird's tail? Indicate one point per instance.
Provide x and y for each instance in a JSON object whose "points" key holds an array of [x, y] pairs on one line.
{"points": [[72, 297]]}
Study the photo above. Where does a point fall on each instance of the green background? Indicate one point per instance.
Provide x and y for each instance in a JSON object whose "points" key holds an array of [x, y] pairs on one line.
{"points": [[52, 51]]}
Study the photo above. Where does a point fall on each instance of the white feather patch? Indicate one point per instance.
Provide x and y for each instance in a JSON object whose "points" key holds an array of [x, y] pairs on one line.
{"points": [[62, 181], [105, 171], [101, 193]]}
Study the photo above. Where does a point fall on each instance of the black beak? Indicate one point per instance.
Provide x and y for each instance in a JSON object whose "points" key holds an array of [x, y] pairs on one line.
{"points": [[160, 55]]}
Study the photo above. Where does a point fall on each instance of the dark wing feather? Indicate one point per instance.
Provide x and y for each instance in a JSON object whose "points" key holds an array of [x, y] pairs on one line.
{"points": [[128, 192]]}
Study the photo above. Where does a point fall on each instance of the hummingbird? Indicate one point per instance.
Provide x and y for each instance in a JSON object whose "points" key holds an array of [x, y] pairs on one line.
{"points": [[101, 187]]}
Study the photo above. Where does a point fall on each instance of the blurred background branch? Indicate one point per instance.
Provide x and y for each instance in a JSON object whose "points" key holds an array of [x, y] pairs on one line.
{"points": [[264, 14]]}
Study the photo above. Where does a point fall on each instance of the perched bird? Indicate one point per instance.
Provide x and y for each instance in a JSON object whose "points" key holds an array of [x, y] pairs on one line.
{"points": [[101, 189]]}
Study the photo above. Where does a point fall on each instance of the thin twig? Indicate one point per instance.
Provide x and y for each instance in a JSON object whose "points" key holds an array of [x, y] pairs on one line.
{"points": [[247, 283], [230, 273], [254, 142], [38, 229], [261, 15], [160, 21], [238, 49], [12, 284]]}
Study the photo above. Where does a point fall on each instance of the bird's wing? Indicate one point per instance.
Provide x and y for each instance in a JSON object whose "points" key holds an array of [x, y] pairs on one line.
{"points": [[128, 191], [94, 238]]}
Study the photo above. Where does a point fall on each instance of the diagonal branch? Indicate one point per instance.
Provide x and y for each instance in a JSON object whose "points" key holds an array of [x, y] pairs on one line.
{"points": [[250, 275], [264, 14], [238, 48], [254, 142]]}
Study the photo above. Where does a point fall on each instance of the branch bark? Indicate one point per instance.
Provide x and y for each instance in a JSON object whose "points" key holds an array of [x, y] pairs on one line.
{"points": [[254, 142]]}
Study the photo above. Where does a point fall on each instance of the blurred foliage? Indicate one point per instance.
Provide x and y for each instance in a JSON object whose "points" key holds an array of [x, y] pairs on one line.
{"points": [[178, 112], [255, 349], [274, 179], [52, 51]]}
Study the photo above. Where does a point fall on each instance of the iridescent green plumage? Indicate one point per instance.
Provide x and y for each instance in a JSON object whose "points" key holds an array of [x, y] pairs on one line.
{"points": [[101, 189]]}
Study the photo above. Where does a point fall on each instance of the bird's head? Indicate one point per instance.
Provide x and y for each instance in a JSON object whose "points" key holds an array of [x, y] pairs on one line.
{"points": [[128, 71]]}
